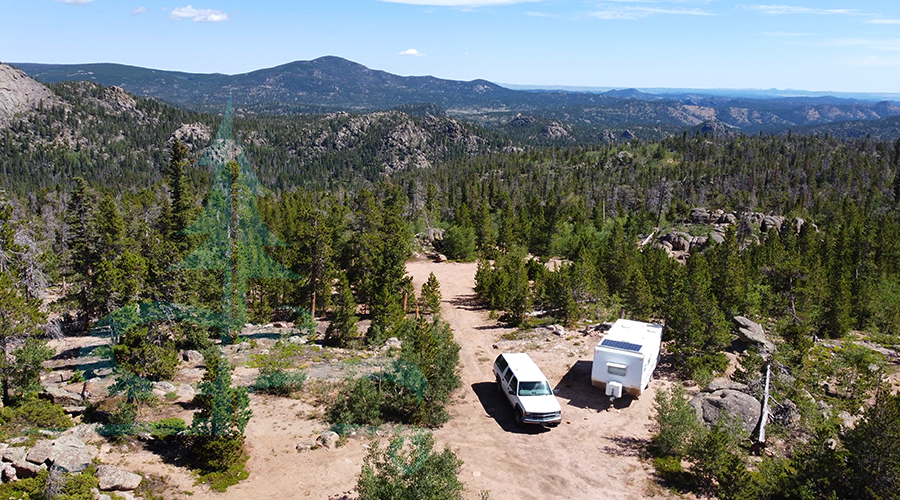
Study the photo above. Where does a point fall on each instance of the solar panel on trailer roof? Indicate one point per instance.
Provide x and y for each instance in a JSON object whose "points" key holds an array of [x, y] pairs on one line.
{"points": [[619, 344]]}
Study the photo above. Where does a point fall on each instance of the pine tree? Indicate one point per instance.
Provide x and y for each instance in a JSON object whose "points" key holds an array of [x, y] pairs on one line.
{"points": [[83, 251], [235, 232], [430, 299], [343, 321]]}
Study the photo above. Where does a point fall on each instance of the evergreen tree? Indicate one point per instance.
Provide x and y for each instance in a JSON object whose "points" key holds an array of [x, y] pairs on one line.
{"points": [[343, 321], [83, 250], [236, 233], [430, 299]]}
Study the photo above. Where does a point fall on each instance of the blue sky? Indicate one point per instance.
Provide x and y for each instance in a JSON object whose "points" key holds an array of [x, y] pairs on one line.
{"points": [[825, 45]]}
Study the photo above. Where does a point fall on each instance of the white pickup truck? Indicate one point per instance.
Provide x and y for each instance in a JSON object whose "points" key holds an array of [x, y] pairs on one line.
{"points": [[527, 390]]}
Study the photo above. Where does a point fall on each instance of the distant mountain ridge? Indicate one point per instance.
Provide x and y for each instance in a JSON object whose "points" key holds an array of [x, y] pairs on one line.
{"points": [[330, 84]]}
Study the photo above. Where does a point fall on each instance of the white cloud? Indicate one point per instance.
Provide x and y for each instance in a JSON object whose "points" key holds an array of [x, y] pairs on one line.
{"points": [[411, 52], [883, 21], [198, 15], [138, 11], [74, 2], [460, 3], [775, 10], [621, 12]]}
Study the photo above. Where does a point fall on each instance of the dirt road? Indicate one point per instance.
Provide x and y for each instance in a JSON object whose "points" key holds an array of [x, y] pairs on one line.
{"points": [[593, 454]]}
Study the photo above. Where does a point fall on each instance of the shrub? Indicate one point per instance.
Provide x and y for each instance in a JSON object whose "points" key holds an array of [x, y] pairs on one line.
{"points": [[678, 424], [221, 460], [33, 414], [147, 352], [410, 473], [358, 403], [279, 383], [167, 427]]}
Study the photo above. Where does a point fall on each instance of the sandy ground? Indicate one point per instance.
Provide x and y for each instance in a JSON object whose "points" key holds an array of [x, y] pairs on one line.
{"points": [[594, 453]]}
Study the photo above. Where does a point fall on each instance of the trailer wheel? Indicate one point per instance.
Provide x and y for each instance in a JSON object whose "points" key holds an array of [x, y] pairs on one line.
{"points": [[520, 420]]}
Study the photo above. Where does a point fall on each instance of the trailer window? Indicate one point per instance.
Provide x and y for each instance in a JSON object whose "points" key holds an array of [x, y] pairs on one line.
{"points": [[616, 369]]}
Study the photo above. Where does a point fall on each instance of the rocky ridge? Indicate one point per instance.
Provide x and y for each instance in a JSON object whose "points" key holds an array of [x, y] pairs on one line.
{"points": [[19, 93]]}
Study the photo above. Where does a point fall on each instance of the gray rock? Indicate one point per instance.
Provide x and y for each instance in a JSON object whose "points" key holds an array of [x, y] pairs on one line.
{"points": [[26, 469], [751, 332], [14, 454], [20, 93], [192, 357], [112, 478], [100, 496], [162, 388], [305, 445], [9, 473], [69, 453], [699, 216], [771, 222], [41, 451], [718, 385], [328, 440], [74, 410], [716, 237], [559, 330], [185, 391], [63, 397], [730, 404], [84, 432], [393, 343]]}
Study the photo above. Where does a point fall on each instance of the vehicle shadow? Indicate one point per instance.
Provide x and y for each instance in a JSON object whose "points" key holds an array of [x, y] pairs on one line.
{"points": [[575, 387], [498, 408]]}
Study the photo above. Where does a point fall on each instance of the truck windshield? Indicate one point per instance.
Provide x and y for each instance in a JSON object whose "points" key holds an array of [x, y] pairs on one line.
{"points": [[534, 389]]}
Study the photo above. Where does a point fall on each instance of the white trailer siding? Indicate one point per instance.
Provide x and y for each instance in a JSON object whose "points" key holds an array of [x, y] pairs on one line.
{"points": [[628, 354]]}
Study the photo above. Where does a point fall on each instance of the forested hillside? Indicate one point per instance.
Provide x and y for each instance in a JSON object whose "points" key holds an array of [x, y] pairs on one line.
{"points": [[112, 138], [104, 191]]}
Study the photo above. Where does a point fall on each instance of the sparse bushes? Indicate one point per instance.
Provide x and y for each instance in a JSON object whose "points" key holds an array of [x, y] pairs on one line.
{"points": [[33, 414], [413, 472], [279, 383], [413, 389]]}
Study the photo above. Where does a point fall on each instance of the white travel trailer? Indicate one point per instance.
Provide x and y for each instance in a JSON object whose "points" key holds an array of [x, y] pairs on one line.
{"points": [[626, 357]]}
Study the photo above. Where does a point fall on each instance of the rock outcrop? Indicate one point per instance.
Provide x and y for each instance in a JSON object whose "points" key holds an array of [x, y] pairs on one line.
{"points": [[19, 93], [730, 404], [112, 478]]}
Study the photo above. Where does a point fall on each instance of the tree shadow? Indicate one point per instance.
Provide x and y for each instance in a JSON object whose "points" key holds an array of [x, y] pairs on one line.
{"points": [[575, 386], [626, 446], [498, 408], [469, 302]]}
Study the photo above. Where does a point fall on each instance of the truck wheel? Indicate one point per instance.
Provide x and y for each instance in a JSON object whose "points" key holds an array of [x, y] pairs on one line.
{"points": [[520, 421], [499, 385]]}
